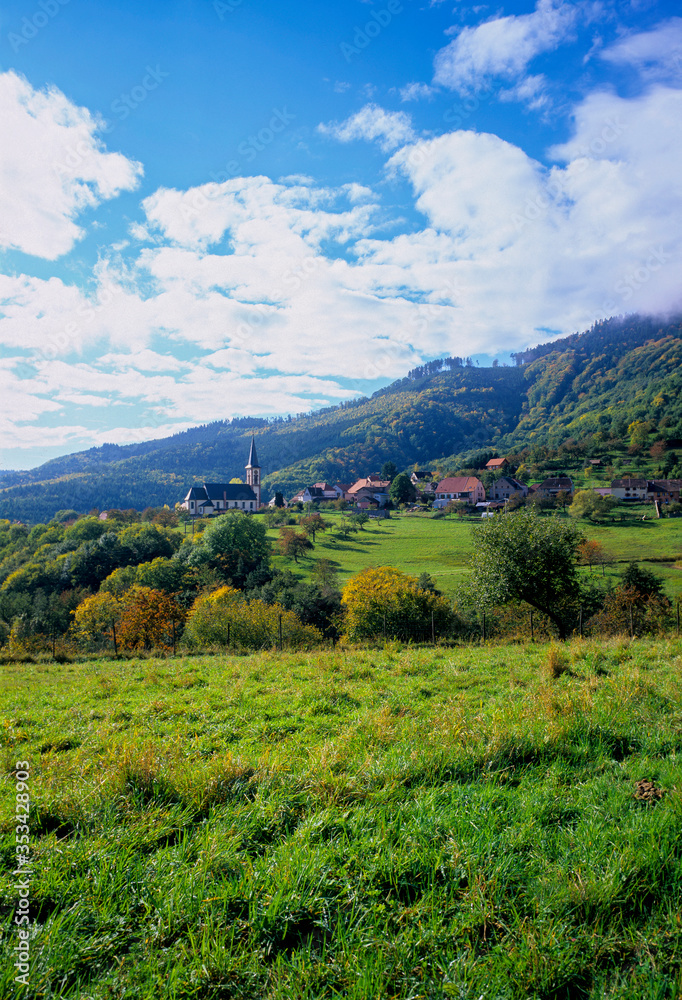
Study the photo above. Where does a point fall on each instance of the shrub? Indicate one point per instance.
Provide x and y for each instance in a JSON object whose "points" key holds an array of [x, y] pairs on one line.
{"points": [[226, 616]]}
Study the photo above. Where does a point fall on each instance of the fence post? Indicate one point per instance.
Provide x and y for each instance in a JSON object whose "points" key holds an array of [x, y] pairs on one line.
{"points": [[433, 628], [384, 627], [484, 626], [632, 627], [581, 623], [173, 629], [280, 633], [532, 630], [113, 629], [228, 637]]}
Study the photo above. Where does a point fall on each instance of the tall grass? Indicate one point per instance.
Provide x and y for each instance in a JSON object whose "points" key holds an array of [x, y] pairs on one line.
{"points": [[395, 823]]}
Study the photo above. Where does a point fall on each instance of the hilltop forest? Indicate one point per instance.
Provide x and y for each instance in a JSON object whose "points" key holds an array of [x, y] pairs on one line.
{"points": [[618, 383]]}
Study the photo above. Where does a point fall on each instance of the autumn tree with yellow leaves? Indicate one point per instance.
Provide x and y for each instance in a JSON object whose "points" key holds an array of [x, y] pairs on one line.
{"points": [[385, 602]]}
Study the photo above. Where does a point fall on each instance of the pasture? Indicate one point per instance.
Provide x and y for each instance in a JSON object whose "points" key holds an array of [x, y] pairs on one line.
{"points": [[492, 821], [443, 547]]}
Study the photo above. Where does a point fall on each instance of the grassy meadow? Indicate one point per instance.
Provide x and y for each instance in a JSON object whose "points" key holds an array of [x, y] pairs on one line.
{"points": [[485, 823], [443, 547]]}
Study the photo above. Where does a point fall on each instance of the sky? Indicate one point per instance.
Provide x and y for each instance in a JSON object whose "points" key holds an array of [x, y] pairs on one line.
{"points": [[244, 207]]}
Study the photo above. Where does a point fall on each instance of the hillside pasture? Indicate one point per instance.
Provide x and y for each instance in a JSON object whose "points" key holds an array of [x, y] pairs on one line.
{"points": [[443, 547], [493, 821]]}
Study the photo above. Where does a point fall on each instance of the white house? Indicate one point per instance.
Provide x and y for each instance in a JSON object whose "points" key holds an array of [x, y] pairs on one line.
{"points": [[467, 488]]}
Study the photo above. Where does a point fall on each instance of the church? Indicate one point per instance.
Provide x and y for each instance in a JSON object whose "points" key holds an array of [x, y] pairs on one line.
{"points": [[214, 498]]}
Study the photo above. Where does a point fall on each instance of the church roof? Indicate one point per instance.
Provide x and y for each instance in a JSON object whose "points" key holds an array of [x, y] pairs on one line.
{"points": [[229, 491], [253, 457]]}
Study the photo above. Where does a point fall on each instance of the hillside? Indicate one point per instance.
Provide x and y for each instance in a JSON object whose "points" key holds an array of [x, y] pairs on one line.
{"points": [[446, 823], [591, 385]]}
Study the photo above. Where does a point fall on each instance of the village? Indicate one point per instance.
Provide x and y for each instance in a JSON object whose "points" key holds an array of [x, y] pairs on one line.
{"points": [[373, 493]]}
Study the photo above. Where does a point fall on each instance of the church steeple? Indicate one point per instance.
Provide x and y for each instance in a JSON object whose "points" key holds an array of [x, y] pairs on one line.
{"points": [[253, 471]]}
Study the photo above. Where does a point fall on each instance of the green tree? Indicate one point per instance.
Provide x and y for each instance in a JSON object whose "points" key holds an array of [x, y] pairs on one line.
{"points": [[97, 618], [530, 558], [591, 505], [293, 543], [641, 581], [235, 544], [226, 616], [388, 470], [312, 523], [402, 489]]}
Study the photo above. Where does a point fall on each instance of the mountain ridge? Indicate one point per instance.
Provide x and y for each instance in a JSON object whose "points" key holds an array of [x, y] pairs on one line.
{"points": [[587, 385]]}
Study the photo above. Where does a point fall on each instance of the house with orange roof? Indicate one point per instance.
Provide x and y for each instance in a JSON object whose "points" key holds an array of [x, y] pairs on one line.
{"points": [[467, 488]]}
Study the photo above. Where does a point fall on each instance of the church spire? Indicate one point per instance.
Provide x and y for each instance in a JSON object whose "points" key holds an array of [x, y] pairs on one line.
{"points": [[253, 471], [253, 457]]}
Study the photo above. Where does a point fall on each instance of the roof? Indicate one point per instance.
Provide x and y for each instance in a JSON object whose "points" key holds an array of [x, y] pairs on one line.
{"points": [[196, 493], [629, 484], [325, 487], [496, 463], [458, 484], [556, 483], [421, 474], [253, 457], [372, 482], [229, 491], [512, 482]]}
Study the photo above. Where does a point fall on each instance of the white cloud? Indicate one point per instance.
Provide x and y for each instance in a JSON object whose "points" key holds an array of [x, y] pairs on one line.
{"points": [[531, 91], [415, 92], [504, 46], [388, 128], [258, 297], [656, 54], [52, 166], [533, 248]]}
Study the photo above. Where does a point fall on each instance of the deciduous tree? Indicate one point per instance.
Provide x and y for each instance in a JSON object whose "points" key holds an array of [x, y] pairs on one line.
{"points": [[532, 558], [385, 601], [402, 489], [235, 544]]}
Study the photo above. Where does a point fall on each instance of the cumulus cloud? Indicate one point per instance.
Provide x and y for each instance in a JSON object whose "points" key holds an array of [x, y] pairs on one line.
{"points": [[375, 124], [255, 296], [537, 248], [656, 54], [503, 47], [52, 167]]}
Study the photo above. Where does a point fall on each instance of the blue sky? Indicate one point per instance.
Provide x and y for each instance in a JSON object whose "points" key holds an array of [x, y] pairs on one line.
{"points": [[249, 207]]}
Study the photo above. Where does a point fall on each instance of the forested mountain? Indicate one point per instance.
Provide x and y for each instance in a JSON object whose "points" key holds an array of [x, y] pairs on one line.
{"points": [[592, 385]]}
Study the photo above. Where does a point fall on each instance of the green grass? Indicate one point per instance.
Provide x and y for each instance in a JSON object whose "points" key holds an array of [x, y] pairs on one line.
{"points": [[443, 547], [396, 823], [412, 544]]}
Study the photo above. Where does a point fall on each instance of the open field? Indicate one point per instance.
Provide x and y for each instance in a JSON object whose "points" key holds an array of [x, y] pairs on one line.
{"points": [[397, 823], [443, 547]]}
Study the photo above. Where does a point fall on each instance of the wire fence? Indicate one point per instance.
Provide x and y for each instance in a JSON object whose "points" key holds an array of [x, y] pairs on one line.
{"points": [[514, 622]]}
